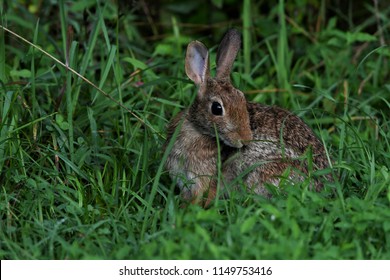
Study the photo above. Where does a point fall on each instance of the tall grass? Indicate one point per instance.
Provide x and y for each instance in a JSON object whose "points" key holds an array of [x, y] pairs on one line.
{"points": [[84, 107]]}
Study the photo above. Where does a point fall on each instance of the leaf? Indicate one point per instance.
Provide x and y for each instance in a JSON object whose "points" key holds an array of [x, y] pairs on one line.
{"points": [[24, 73], [217, 3], [64, 125], [248, 224], [359, 37], [167, 102], [388, 194], [136, 63], [163, 49], [142, 66], [207, 215]]}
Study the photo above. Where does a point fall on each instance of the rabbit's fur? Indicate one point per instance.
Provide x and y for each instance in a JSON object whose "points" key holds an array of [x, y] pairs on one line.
{"points": [[256, 139]]}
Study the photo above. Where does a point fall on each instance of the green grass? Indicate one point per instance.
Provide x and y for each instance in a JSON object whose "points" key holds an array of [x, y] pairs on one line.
{"points": [[81, 164]]}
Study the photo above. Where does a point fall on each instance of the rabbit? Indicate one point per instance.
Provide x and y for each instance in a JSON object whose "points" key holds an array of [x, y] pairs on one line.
{"points": [[266, 140]]}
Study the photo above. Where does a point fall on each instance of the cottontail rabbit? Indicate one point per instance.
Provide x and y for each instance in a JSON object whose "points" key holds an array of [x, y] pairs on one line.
{"points": [[262, 139]]}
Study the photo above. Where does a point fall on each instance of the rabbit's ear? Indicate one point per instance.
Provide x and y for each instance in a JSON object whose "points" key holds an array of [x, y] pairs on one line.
{"points": [[197, 62], [227, 52]]}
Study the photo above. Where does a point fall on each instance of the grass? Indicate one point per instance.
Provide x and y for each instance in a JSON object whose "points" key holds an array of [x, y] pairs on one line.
{"points": [[81, 167]]}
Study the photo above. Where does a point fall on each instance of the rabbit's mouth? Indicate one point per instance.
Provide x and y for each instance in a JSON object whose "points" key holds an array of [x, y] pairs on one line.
{"points": [[237, 140], [238, 144], [234, 143]]}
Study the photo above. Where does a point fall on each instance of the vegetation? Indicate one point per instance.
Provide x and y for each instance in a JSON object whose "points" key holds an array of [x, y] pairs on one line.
{"points": [[81, 166]]}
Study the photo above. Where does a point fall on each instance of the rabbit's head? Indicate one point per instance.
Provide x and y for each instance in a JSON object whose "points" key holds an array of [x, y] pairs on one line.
{"points": [[219, 107]]}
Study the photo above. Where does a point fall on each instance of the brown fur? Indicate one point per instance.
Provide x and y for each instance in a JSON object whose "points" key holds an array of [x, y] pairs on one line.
{"points": [[267, 139]]}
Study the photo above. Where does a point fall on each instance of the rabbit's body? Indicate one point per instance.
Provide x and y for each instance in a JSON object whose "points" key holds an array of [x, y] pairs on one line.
{"points": [[280, 138], [193, 158], [258, 141]]}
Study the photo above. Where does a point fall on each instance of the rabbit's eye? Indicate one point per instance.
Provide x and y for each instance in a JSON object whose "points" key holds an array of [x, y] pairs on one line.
{"points": [[216, 109]]}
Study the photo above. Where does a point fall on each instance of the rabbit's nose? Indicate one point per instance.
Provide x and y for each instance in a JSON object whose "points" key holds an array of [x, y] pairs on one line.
{"points": [[246, 136]]}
